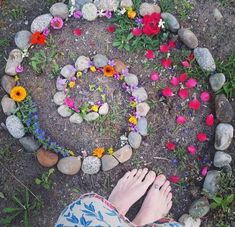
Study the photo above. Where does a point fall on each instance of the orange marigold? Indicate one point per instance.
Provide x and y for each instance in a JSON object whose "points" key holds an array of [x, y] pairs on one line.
{"points": [[131, 14], [108, 71], [18, 93], [38, 38], [98, 152]]}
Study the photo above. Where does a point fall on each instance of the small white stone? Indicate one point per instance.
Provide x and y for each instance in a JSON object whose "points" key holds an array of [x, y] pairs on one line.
{"points": [[89, 12], [64, 111], [104, 109], [76, 118], [59, 98], [82, 63]]}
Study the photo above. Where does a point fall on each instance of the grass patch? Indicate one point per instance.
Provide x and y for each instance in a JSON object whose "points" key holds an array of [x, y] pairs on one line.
{"points": [[226, 2], [4, 43]]}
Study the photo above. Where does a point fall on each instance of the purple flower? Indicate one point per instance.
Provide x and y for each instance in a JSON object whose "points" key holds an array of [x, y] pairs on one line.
{"points": [[138, 20], [125, 72], [108, 14], [77, 14], [57, 23], [111, 63], [19, 69], [46, 31]]}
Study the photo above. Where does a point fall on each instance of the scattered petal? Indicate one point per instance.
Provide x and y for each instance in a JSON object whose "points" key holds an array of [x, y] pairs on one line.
{"points": [[202, 137], [205, 96], [170, 146], [166, 63], [191, 83], [164, 48], [183, 77], [111, 29], [77, 32], [186, 64], [154, 76], [190, 57], [183, 93], [194, 104], [192, 149], [150, 54], [204, 171], [210, 120], [137, 32], [181, 120], [174, 179], [175, 81], [167, 92], [171, 44]]}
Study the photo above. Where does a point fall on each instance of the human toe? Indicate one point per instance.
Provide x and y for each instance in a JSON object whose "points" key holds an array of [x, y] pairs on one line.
{"points": [[143, 174], [165, 186], [159, 181], [132, 173], [149, 178]]}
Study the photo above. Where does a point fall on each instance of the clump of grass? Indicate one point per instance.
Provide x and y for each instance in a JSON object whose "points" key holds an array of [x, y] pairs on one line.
{"points": [[226, 2]]}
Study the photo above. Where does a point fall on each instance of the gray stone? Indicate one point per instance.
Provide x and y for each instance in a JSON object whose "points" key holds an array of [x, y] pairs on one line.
{"points": [[142, 126], [217, 81], [123, 154], [59, 85], [187, 221], [68, 71], [91, 165], [188, 38], [171, 21], [108, 162], [134, 139], [199, 208], [126, 4], [59, 98], [23, 39], [104, 109], [107, 5], [223, 136], [59, 10], [89, 11], [82, 63], [41, 22], [210, 185], [205, 59], [80, 3], [14, 60], [217, 14], [64, 111], [223, 109], [100, 60], [142, 109], [131, 80], [8, 105], [76, 118], [221, 159], [8, 83], [69, 165], [91, 116], [148, 9], [140, 94], [15, 127], [30, 144]]}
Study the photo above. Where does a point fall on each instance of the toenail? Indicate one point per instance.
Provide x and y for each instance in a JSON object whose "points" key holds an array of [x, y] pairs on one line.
{"points": [[156, 186]]}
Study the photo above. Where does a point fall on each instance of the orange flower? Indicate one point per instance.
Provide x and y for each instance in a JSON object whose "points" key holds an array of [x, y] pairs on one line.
{"points": [[131, 14], [98, 152], [38, 38], [18, 93], [108, 71]]}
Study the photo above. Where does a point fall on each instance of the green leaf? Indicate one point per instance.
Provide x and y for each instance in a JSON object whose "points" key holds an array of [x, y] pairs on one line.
{"points": [[116, 43], [38, 181], [9, 219], [218, 200], [230, 198], [213, 205], [27, 197], [26, 219], [10, 209]]}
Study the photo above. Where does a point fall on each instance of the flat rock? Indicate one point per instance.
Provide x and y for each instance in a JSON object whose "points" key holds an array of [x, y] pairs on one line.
{"points": [[8, 83], [64, 111], [15, 127], [134, 139], [142, 126], [187, 221], [76, 118], [59, 10], [41, 22], [23, 39], [68, 71], [80, 3], [223, 136], [91, 116], [100, 60], [29, 144], [14, 60], [142, 109], [107, 5], [69, 165], [59, 98], [8, 105], [141, 94], [82, 63], [131, 80], [188, 38], [205, 59], [221, 159], [217, 14], [148, 9], [119, 66], [89, 11], [217, 81], [91, 165], [210, 185], [223, 109], [47, 158], [199, 208], [171, 21], [123, 154], [60, 84], [126, 4], [108, 162], [104, 109]]}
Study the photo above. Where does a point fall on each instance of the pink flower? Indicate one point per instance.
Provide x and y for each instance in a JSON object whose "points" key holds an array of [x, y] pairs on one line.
{"points": [[175, 81], [69, 102], [19, 69], [111, 29], [171, 44], [170, 146], [202, 137], [137, 32], [191, 83], [164, 48], [57, 23], [192, 149], [154, 76], [183, 77], [108, 14], [181, 120], [167, 92], [204, 171], [77, 14], [205, 96], [77, 32], [150, 54], [183, 93], [174, 179], [210, 120], [46, 32], [186, 64], [194, 104], [166, 63]]}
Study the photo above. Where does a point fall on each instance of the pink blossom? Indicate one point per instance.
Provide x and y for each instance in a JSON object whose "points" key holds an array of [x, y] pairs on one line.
{"points": [[175, 81], [191, 83], [69, 102], [150, 54], [205, 96], [46, 31], [186, 64], [19, 69], [167, 92], [77, 14], [164, 48], [154, 76], [57, 23], [166, 63], [204, 171], [192, 149], [183, 93], [181, 120], [210, 120]]}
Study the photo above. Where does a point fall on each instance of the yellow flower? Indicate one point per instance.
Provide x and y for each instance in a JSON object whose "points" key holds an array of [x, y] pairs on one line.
{"points": [[18, 93], [98, 152], [71, 153], [121, 77], [95, 108], [71, 84], [131, 14], [133, 104], [133, 120], [110, 151], [17, 78], [79, 74], [93, 69]]}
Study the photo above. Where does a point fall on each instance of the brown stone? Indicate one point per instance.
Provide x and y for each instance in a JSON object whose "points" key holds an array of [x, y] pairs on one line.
{"points": [[47, 158], [119, 65], [123, 154]]}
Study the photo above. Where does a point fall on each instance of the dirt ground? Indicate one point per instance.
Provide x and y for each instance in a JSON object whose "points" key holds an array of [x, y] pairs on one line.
{"points": [[217, 36]]}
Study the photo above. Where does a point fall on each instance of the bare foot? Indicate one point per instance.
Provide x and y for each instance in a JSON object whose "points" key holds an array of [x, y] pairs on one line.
{"points": [[157, 203], [130, 188]]}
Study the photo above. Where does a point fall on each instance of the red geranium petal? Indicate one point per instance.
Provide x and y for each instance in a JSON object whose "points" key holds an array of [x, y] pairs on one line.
{"points": [[191, 83], [174, 179], [192, 149], [205, 96], [210, 120], [166, 62], [186, 64], [181, 120], [194, 104], [175, 81], [164, 48], [150, 54], [183, 77], [167, 92], [170, 146], [137, 32], [77, 32], [202, 137], [171, 43], [190, 57], [111, 28], [183, 93]]}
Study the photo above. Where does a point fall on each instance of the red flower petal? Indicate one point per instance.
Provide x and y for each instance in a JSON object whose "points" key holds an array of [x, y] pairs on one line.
{"points": [[166, 62], [183, 93], [183, 77], [210, 120], [170, 146], [174, 179], [192, 149], [186, 64], [181, 120], [194, 104], [191, 83], [205, 96], [164, 48], [204, 171], [175, 81], [137, 32], [77, 32], [111, 28], [202, 137], [171, 44], [150, 54], [190, 57], [167, 92]]}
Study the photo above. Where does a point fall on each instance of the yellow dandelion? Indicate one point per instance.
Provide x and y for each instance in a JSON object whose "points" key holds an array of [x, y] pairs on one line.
{"points": [[133, 104], [17, 78], [110, 151], [71, 84], [93, 69], [71, 153], [95, 108], [79, 74], [133, 120]]}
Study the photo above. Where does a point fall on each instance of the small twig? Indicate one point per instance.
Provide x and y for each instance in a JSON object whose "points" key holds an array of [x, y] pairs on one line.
{"points": [[161, 158]]}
